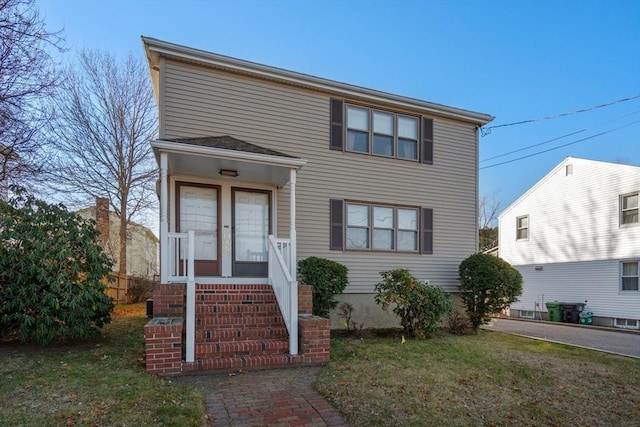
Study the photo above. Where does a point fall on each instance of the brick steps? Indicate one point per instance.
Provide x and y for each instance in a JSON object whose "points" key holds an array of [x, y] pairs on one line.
{"points": [[231, 364], [242, 348], [240, 334], [239, 326]]}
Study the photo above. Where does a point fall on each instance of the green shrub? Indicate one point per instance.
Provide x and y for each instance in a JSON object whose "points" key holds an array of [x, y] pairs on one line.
{"points": [[327, 278], [488, 284], [420, 307], [139, 290], [51, 268]]}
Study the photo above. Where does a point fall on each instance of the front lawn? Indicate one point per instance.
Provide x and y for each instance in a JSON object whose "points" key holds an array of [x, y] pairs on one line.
{"points": [[489, 379], [97, 382]]}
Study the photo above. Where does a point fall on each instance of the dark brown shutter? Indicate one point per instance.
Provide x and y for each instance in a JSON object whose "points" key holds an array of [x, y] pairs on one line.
{"points": [[426, 231], [337, 120], [427, 141], [336, 232]]}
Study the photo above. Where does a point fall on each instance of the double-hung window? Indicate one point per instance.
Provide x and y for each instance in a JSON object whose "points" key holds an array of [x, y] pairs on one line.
{"points": [[522, 227], [381, 228], [629, 276], [382, 133], [629, 208]]}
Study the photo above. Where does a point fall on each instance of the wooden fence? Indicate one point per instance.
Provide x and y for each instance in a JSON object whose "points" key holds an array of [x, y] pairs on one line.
{"points": [[118, 288]]}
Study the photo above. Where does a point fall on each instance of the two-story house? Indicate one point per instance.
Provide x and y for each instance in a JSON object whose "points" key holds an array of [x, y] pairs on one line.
{"points": [[575, 237], [265, 166]]}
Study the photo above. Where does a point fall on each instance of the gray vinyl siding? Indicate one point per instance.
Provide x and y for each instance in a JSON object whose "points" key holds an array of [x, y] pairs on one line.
{"points": [[202, 102]]}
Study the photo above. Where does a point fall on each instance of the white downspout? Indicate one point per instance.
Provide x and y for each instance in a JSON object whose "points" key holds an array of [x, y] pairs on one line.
{"points": [[164, 223], [191, 301], [293, 295]]}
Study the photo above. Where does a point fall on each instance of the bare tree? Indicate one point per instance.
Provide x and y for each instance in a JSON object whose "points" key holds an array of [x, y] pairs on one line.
{"points": [[105, 119], [489, 208], [27, 80]]}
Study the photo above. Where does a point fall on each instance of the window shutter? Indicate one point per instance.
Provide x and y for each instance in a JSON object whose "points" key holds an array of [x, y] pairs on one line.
{"points": [[426, 231], [337, 120], [336, 218], [427, 141]]}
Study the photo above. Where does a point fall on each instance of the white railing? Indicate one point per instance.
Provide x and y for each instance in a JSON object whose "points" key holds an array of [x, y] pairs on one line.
{"points": [[181, 255], [284, 287]]}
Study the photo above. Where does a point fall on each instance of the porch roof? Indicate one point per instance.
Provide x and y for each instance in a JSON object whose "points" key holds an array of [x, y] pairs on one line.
{"points": [[207, 156]]}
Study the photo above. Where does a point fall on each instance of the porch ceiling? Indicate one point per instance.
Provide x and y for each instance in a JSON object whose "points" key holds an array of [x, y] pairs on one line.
{"points": [[206, 160]]}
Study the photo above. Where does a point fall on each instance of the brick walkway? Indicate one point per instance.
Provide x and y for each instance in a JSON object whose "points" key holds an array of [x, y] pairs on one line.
{"points": [[282, 397]]}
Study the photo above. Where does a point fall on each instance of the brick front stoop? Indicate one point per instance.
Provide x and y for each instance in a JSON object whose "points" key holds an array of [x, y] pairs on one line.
{"points": [[238, 327]]}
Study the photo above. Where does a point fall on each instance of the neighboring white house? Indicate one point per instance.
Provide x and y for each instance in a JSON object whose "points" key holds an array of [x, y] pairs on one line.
{"points": [[575, 237], [142, 244]]}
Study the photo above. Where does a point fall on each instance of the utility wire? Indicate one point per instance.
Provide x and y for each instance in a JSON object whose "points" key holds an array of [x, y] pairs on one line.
{"points": [[560, 137], [487, 130], [560, 146]]}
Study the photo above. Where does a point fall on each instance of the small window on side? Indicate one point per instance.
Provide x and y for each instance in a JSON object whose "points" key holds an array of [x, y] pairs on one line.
{"points": [[522, 227]]}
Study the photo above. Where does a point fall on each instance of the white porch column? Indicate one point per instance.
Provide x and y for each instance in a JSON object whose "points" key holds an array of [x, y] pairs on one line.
{"points": [[191, 301], [293, 296], [164, 223]]}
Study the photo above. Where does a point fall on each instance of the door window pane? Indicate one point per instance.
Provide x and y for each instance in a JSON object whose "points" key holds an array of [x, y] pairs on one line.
{"points": [[199, 212], [251, 226]]}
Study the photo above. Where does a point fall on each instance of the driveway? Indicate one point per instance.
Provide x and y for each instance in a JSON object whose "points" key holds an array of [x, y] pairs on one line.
{"points": [[622, 342]]}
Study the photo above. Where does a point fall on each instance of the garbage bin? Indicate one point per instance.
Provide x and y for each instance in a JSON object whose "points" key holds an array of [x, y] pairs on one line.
{"points": [[586, 318], [554, 311], [571, 312]]}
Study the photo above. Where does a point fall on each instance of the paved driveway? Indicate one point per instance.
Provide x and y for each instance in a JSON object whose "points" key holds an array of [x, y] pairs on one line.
{"points": [[621, 342]]}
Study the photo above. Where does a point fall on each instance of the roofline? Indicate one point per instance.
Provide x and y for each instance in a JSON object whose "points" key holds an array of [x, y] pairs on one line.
{"points": [[549, 174], [182, 148], [154, 48]]}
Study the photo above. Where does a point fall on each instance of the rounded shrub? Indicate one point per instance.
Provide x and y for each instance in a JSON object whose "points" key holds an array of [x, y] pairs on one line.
{"points": [[488, 284], [327, 278], [51, 272], [420, 307]]}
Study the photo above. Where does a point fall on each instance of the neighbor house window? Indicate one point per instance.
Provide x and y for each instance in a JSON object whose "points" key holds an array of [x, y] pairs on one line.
{"points": [[626, 323], [629, 276], [629, 208], [522, 227], [382, 228]]}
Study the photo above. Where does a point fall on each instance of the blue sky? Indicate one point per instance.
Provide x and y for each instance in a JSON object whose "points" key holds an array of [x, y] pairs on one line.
{"points": [[515, 60]]}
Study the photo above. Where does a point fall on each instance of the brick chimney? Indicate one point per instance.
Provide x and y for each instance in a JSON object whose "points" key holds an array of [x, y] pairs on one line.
{"points": [[102, 219]]}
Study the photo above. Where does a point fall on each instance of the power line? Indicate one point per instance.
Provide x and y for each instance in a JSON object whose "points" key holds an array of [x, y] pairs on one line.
{"points": [[560, 137], [487, 130], [561, 146]]}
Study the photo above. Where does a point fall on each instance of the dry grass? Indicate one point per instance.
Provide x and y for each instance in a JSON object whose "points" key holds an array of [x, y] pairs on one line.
{"points": [[99, 382], [489, 379]]}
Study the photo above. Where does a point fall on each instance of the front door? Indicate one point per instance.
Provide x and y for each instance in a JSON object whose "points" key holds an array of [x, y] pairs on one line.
{"points": [[251, 228], [198, 209]]}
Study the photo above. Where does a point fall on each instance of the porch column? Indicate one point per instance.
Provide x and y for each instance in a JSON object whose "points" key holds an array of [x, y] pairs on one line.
{"points": [[164, 223], [293, 296]]}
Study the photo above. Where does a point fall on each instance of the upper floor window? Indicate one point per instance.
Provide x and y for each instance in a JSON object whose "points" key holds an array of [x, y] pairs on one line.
{"points": [[381, 133], [629, 208], [629, 276], [522, 227]]}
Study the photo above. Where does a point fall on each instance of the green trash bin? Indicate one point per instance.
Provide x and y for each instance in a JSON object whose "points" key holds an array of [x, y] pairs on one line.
{"points": [[586, 318], [554, 309]]}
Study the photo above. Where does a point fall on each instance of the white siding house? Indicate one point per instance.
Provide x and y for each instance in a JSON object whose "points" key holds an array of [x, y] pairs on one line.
{"points": [[575, 237]]}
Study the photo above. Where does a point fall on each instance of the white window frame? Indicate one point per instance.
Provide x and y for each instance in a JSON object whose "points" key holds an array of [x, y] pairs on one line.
{"points": [[527, 314], [624, 323], [637, 276], [623, 210], [519, 227], [371, 132], [371, 227]]}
